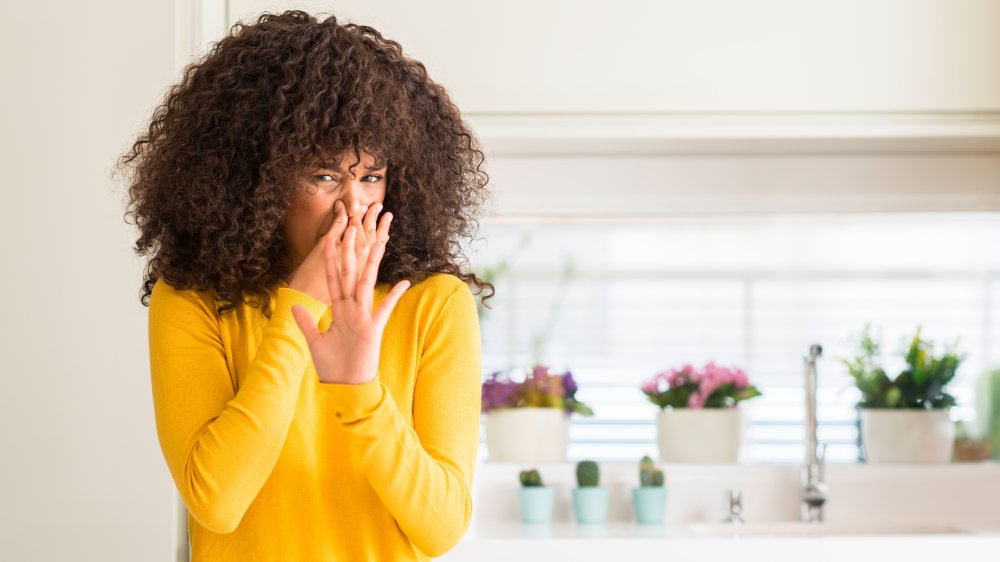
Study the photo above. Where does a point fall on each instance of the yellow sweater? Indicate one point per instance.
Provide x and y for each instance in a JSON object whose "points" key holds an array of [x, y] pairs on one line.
{"points": [[274, 465]]}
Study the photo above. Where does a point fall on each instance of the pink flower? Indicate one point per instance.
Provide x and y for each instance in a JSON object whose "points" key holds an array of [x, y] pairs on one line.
{"points": [[740, 379], [686, 374], [652, 386], [696, 400]]}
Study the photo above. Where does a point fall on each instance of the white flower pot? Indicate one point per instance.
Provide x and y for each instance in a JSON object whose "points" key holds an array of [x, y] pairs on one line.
{"points": [[527, 435], [700, 434], [906, 435]]}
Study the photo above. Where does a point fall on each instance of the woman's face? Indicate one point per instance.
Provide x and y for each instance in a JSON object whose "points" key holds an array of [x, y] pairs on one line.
{"points": [[312, 209]]}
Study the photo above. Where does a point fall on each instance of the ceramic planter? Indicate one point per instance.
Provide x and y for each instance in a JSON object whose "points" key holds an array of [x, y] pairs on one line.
{"points": [[590, 504], [907, 435], [527, 435], [649, 503], [536, 503], [700, 434]]}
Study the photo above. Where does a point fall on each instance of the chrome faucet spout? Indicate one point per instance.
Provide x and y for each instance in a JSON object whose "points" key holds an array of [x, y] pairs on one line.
{"points": [[814, 490]]}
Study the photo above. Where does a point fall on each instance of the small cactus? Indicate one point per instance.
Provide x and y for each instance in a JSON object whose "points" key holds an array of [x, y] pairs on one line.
{"points": [[531, 478], [587, 474], [649, 475]]}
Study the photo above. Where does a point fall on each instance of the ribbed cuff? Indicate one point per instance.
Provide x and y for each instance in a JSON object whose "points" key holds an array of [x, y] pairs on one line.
{"points": [[354, 402], [284, 299]]}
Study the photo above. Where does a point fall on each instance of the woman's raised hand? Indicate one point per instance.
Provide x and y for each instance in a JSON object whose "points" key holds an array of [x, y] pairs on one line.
{"points": [[309, 277], [348, 352]]}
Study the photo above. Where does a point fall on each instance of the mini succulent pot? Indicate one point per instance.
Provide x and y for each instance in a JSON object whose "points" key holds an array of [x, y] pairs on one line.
{"points": [[649, 504], [649, 500], [590, 501], [536, 500], [537, 504]]}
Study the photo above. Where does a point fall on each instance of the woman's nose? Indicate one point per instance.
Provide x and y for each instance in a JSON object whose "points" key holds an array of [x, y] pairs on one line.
{"points": [[353, 204]]}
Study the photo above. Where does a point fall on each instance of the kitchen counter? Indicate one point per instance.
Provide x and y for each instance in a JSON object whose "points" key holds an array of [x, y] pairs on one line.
{"points": [[904, 512], [618, 541]]}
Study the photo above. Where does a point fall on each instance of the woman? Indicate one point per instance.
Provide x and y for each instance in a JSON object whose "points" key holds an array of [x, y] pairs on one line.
{"points": [[315, 379]]}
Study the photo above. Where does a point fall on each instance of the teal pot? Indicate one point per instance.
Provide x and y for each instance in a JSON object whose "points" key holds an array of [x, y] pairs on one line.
{"points": [[649, 503], [537, 503], [590, 504]]}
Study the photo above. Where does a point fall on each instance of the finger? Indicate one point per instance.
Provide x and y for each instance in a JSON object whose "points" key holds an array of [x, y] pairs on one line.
{"points": [[364, 242], [366, 284], [383, 226], [358, 225], [332, 238], [340, 220], [370, 222], [331, 266], [381, 237], [348, 278], [305, 322], [381, 315]]}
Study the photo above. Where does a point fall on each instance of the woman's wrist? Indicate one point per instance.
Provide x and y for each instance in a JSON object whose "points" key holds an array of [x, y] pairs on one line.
{"points": [[351, 380]]}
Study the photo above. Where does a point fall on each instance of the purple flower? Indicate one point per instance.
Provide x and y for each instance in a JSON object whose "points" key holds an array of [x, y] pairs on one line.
{"points": [[569, 384], [540, 388], [499, 392]]}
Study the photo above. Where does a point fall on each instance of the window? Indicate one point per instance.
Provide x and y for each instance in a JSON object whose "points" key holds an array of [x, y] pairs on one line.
{"points": [[616, 302]]}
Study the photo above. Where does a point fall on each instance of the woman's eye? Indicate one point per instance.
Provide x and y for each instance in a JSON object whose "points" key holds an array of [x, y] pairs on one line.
{"points": [[325, 178], [375, 178]]}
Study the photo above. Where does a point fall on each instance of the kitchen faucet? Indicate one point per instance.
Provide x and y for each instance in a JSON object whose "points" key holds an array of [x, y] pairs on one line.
{"points": [[814, 489], [734, 507]]}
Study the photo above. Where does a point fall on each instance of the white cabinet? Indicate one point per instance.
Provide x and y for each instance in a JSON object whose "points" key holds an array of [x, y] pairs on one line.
{"points": [[694, 76], [636, 56]]}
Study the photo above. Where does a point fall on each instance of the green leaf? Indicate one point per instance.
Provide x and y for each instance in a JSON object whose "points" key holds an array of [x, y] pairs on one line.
{"points": [[892, 397]]}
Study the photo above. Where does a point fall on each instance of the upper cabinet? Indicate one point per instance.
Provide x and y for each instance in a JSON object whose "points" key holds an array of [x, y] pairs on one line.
{"points": [[689, 75]]}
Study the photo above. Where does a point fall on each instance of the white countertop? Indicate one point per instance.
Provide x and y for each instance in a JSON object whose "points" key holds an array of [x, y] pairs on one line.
{"points": [[906, 512]]}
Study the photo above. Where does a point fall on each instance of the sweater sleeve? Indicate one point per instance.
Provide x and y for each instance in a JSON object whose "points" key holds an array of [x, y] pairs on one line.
{"points": [[221, 446], [423, 474]]}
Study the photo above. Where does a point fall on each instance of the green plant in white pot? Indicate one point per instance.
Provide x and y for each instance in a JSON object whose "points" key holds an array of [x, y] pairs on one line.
{"points": [[988, 411], [536, 500], [649, 500], [905, 419], [590, 500]]}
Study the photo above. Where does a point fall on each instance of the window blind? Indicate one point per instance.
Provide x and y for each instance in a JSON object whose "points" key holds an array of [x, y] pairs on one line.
{"points": [[616, 302]]}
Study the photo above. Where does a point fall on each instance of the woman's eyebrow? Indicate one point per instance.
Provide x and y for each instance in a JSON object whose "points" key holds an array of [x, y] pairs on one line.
{"points": [[336, 167]]}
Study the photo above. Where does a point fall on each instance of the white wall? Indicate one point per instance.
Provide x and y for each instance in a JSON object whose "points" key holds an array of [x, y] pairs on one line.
{"points": [[81, 475], [527, 56]]}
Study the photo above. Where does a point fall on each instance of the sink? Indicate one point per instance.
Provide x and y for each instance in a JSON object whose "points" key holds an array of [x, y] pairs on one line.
{"points": [[799, 529]]}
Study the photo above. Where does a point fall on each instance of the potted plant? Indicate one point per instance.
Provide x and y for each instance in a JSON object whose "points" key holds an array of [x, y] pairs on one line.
{"points": [[905, 419], [528, 421], [590, 500], [536, 500], [649, 500], [699, 419], [988, 411]]}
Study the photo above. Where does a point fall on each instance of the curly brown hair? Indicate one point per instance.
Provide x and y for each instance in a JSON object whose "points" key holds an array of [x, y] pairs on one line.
{"points": [[211, 180]]}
